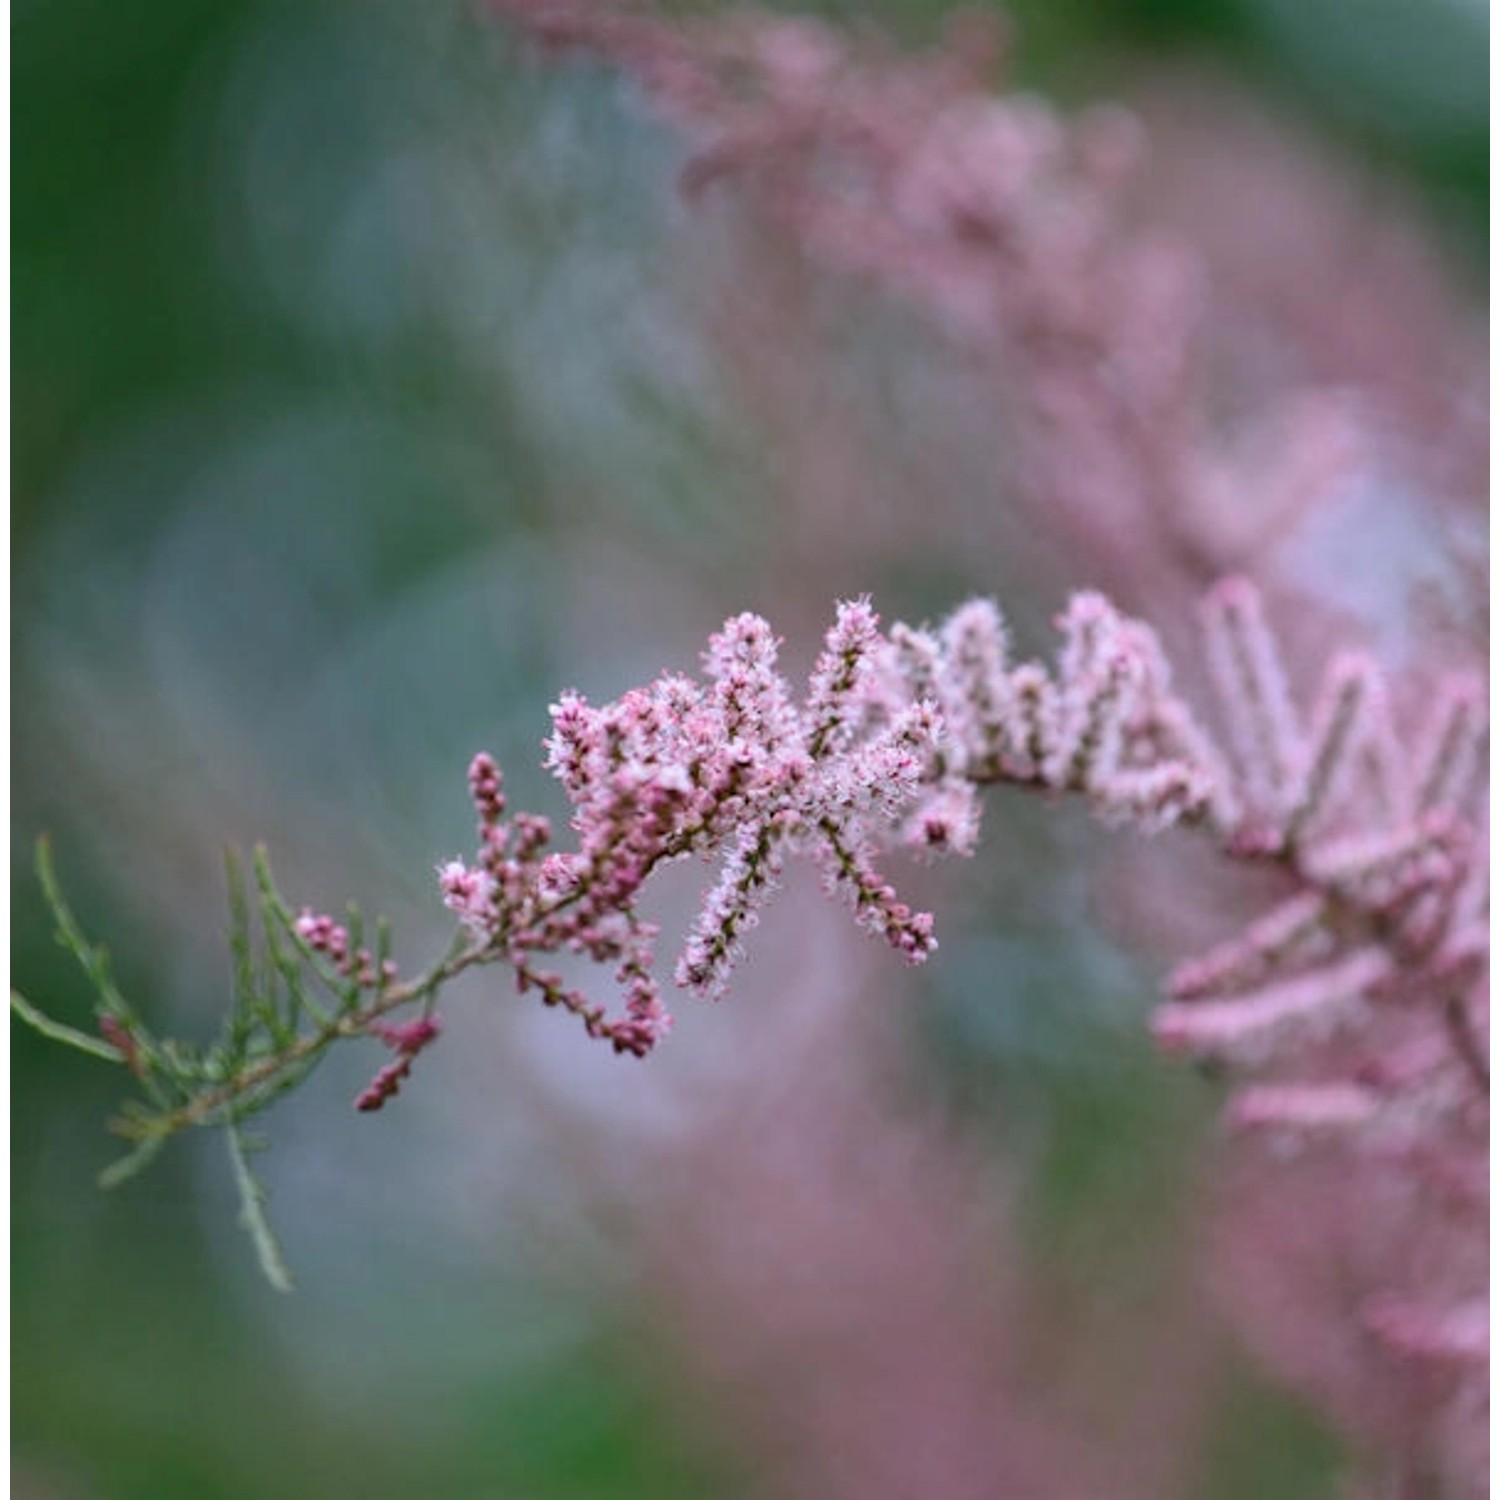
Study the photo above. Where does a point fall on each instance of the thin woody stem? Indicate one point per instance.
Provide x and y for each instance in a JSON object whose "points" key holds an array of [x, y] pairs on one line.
{"points": [[201, 1109]]}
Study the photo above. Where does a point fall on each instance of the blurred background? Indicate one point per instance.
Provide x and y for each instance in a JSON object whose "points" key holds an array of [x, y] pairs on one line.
{"points": [[369, 388]]}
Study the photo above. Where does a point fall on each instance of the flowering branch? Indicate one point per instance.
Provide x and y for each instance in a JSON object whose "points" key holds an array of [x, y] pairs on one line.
{"points": [[1353, 1012], [895, 735]]}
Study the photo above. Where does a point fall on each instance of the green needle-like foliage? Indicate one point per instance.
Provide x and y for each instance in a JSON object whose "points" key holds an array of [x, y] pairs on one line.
{"points": [[288, 1004]]}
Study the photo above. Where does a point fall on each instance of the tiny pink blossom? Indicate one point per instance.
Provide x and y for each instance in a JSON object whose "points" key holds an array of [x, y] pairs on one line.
{"points": [[466, 892]]}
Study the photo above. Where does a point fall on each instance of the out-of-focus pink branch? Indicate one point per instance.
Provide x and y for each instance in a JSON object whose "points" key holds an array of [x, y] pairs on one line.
{"points": [[1356, 1006], [1009, 223]]}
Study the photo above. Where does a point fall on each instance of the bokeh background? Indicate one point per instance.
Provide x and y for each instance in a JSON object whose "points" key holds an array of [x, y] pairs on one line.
{"points": [[369, 387]]}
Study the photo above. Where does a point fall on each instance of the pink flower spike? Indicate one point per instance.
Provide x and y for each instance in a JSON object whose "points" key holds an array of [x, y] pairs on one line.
{"points": [[847, 869], [750, 695], [322, 934], [730, 911], [1350, 686], [973, 687], [1450, 760], [1246, 1029], [486, 787], [1253, 690], [1031, 731], [841, 675], [1295, 928], [574, 745], [406, 1039]]}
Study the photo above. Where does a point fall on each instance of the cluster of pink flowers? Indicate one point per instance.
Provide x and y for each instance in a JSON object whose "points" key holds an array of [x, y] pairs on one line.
{"points": [[889, 745], [1106, 723], [895, 736], [1351, 1012], [1355, 1011], [1384, 843], [731, 767], [1357, 1005], [324, 935]]}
